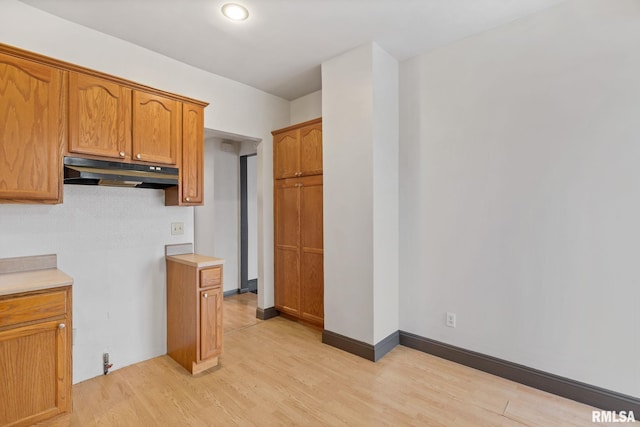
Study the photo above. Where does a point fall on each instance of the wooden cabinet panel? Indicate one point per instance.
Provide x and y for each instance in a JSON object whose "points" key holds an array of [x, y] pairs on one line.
{"points": [[190, 191], [32, 131], [100, 117], [35, 361], [192, 170], [312, 282], [32, 307], [312, 253], [287, 222], [311, 150], [287, 276], [211, 323], [211, 277], [286, 150], [311, 213], [156, 128]]}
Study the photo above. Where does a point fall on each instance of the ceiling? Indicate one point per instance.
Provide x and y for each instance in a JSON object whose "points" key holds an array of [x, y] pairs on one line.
{"points": [[280, 47]]}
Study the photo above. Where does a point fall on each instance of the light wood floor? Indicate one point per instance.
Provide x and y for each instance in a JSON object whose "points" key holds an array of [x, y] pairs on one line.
{"points": [[278, 373]]}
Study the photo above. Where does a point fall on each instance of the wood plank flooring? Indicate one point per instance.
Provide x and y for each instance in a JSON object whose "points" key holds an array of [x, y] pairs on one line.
{"points": [[278, 373]]}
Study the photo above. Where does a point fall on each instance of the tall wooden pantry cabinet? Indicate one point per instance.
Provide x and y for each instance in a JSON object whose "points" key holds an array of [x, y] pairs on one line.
{"points": [[298, 252]]}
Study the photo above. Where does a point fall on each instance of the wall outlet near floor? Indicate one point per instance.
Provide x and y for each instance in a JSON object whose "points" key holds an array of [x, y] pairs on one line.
{"points": [[177, 228], [451, 320]]}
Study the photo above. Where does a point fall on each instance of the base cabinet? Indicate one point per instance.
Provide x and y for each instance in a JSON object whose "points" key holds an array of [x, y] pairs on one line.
{"points": [[194, 314], [35, 356]]}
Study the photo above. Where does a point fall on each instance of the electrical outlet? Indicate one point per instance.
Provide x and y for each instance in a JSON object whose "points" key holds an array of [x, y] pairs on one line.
{"points": [[177, 228], [451, 320]]}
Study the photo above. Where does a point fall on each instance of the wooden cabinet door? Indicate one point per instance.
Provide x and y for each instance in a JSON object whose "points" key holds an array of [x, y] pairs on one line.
{"points": [[192, 170], [311, 251], [311, 150], [32, 131], [287, 246], [99, 117], [35, 372], [156, 128], [286, 155], [211, 323]]}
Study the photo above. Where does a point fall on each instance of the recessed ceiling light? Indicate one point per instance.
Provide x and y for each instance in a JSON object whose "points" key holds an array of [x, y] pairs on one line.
{"points": [[235, 12]]}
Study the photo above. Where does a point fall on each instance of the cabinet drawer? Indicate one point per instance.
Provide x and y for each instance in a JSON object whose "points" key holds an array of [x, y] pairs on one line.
{"points": [[32, 307], [211, 277]]}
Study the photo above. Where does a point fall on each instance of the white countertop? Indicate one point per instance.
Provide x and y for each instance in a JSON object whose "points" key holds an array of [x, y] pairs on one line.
{"points": [[13, 283], [195, 260]]}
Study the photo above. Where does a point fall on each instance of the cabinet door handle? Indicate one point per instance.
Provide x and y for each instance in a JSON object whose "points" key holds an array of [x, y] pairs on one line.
{"points": [[61, 326], [187, 199], [205, 296], [138, 156], [122, 154]]}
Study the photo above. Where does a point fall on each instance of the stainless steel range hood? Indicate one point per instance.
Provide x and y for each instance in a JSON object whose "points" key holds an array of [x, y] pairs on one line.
{"points": [[98, 172]]}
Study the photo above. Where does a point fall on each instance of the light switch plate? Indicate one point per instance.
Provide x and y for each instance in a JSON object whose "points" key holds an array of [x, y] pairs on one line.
{"points": [[177, 228]]}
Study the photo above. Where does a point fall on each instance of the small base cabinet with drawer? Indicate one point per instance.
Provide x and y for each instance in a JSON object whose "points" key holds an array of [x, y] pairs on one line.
{"points": [[194, 311], [35, 356]]}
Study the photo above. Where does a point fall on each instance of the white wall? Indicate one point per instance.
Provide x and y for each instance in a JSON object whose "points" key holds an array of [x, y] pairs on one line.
{"points": [[138, 267], [226, 207], [306, 107], [204, 216], [519, 193], [348, 197], [360, 173], [111, 241], [385, 194]]}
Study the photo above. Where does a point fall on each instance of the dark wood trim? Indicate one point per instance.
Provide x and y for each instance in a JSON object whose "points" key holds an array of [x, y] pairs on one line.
{"points": [[359, 348], [386, 345], [565, 387], [266, 313], [231, 292], [288, 128], [67, 66]]}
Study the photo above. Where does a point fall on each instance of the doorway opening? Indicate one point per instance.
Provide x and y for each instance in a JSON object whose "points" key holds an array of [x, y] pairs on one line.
{"points": [[248, 224]]}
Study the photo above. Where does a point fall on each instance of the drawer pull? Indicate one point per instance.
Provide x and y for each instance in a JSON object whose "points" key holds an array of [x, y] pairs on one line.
{"points": [[205, 296], [61, 326]]}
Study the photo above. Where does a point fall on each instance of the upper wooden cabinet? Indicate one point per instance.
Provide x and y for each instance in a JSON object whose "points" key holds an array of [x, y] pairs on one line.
{"points": [[108, 119], [50, 108], [100, 117], [297, 150], [157, 124], [190, 191], [32, 131]]}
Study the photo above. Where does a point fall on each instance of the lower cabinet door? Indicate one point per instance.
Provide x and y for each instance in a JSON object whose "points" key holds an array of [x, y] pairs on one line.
{"points": [[210, 323], [35, 382]]}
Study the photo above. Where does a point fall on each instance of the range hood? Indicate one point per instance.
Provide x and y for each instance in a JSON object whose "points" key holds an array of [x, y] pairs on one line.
{"points": [[98, 172]]}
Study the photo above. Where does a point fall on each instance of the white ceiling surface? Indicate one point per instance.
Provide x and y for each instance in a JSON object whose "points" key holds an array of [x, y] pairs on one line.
{"points": [[279, 49]]}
